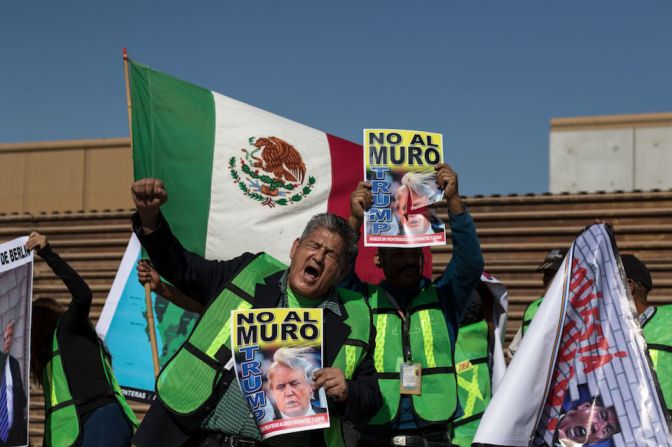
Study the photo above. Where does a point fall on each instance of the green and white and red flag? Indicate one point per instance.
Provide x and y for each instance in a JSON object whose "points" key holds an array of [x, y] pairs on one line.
{"points": [[238, 178]]}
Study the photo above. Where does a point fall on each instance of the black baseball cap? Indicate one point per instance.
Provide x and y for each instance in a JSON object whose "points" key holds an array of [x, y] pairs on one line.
{"points": [[553, 260], [636, 270]]}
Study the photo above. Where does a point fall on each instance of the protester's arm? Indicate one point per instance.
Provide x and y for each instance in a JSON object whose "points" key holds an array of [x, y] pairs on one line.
{"points": [[360, 202], [80, 304], [147, 274], [190, 273], [513, 346], [466, 265]]}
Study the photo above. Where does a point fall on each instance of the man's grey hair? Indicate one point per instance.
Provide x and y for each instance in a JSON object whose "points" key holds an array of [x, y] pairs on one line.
{"points": [[419, 182], [294, 358], [336, 225]]}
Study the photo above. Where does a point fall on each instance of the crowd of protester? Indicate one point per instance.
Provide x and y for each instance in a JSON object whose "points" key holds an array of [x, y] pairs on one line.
{"points": [[409, 321]]}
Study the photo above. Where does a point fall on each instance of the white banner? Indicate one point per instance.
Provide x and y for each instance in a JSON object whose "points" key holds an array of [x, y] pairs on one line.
{"points": [[581, 375], [16, 290]]}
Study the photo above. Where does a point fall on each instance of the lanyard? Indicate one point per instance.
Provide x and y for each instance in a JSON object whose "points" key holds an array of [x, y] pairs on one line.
{"points": [[405, 337]]}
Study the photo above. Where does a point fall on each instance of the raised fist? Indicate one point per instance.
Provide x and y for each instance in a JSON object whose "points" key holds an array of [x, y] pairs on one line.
{"points": [[360, 202], [446, 179], [148, 195]]}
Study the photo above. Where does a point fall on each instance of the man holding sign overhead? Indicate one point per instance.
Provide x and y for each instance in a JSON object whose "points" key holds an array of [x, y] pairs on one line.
{"points": [[198, 402], [416, 320]]}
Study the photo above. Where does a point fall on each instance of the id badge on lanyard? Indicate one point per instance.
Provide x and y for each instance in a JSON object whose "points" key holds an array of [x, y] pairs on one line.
{"points": [[410, 374], [410, 378]]}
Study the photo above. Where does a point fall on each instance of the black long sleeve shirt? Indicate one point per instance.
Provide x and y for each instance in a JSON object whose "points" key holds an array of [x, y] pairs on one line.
{"points": [[78, 341]]}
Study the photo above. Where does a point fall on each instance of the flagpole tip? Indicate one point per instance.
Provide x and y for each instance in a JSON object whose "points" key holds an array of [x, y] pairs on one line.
{"points": [[125, 53]]}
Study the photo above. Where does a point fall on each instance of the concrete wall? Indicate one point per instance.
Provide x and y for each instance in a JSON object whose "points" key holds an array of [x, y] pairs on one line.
{"points": [[619, 153], [66, 176]]}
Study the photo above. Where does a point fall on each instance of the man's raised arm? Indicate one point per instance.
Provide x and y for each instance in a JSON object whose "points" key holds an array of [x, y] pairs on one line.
{"points": [[466, 265], [189, 272]]}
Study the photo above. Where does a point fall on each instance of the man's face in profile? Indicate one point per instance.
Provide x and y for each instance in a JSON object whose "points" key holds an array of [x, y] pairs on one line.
{"points": [[290, 389], [413, 223], [588, 423], [9, 336]]}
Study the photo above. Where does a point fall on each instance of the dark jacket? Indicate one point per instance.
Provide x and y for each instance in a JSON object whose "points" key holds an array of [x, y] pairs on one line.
{"points": [[18, 432], [203, 280]]}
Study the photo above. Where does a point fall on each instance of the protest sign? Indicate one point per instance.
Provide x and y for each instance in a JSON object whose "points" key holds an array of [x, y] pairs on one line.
{"points": [[275, 353], [581, 376], [16, 290], [399, 164], [123, 326]]}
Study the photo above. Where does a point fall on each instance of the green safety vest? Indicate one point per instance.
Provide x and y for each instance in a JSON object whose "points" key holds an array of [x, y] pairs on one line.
{"points": [[62, 426], [191, 378], [429, 344], [530, 312], [659, 340], [473, 380]]}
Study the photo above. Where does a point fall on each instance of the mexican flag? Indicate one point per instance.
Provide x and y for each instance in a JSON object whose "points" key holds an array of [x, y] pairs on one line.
{"points": [[238, 178]]}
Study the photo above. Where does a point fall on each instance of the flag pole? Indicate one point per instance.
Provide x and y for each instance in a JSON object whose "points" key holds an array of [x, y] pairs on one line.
{"points": [[148, 290], [128, 96], [150, 327]]}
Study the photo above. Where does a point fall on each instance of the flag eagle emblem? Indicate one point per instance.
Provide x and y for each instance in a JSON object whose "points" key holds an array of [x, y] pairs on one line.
{"points": [[273, 172]]}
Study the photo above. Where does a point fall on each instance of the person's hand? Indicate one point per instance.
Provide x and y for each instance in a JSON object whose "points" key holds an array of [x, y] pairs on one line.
{"points": [[148, 195], [147, 274], [36, 241], [360, 201], [333, 381], [446, 179]]}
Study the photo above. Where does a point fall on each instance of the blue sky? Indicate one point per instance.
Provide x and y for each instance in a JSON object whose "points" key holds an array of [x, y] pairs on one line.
{"points": [[489, 75]]}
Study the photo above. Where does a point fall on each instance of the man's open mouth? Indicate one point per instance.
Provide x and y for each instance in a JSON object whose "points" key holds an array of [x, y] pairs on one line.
{"points": [[311, 273]]}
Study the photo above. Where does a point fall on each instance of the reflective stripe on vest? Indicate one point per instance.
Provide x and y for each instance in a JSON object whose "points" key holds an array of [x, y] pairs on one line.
{"points": [[191, 376], [62, 426], [473, 380], [659, 340], [530, 312], [429, 345]]}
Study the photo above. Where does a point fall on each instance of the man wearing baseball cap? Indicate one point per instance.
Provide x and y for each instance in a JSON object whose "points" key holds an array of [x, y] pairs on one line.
{"points": [[549, 267], [655, 323]]}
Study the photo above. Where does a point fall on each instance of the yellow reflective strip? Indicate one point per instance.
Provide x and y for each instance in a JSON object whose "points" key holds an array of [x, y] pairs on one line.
{"points": [[427, 338], [54, 399], [473, 389], [224, 333], [654, 357], [350, 360], [379, 353]]}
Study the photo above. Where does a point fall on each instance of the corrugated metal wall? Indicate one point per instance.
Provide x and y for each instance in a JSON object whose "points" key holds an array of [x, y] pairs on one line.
{"points": [[515, 233]]}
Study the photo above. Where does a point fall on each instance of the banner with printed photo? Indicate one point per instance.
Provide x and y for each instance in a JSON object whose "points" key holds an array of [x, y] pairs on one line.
{"points": [[399, 164], [582, 375], [275, 354], [16, 291], [123, 326]]}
